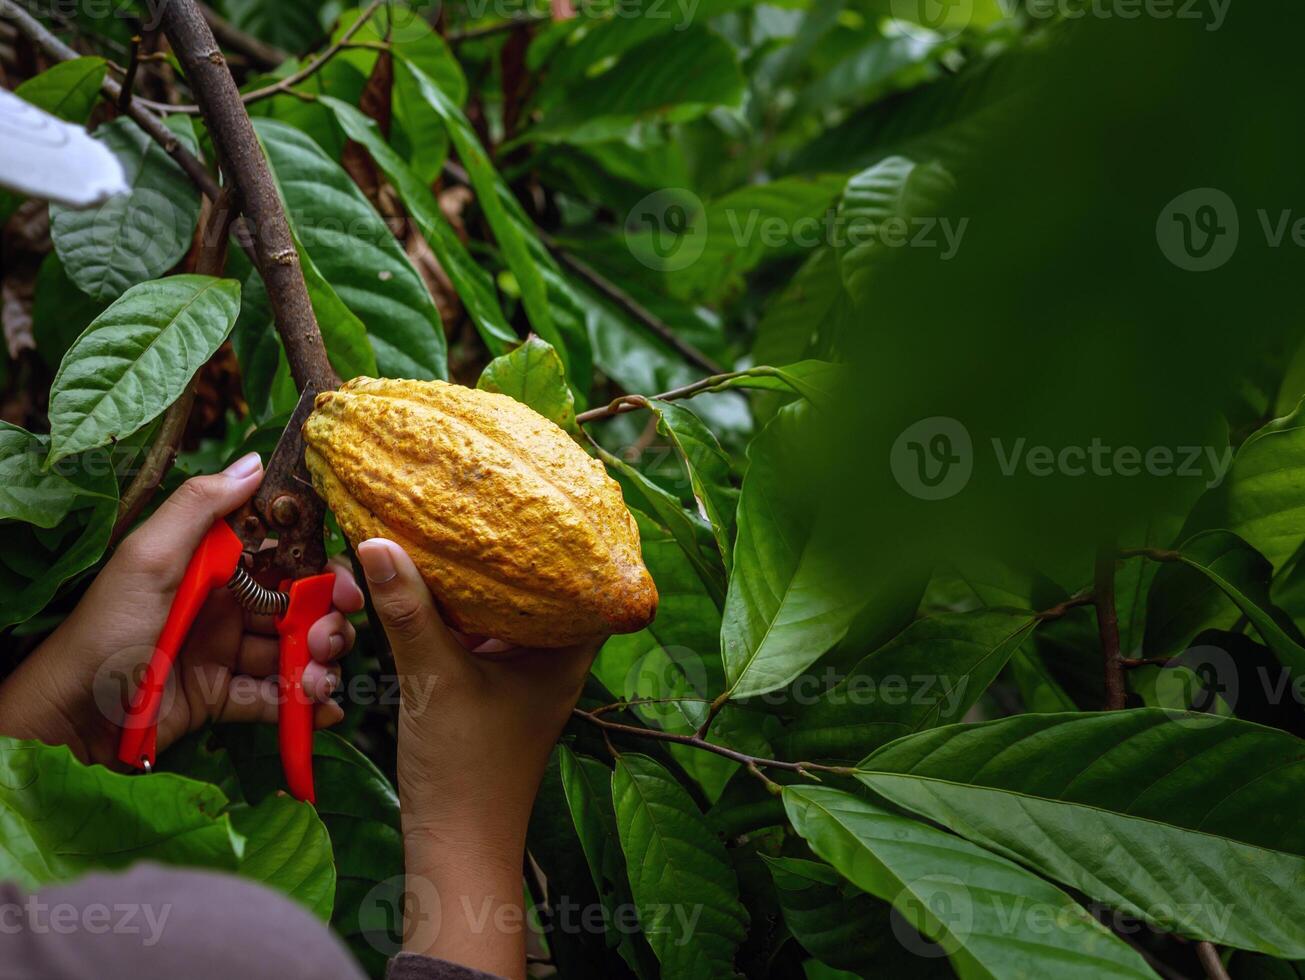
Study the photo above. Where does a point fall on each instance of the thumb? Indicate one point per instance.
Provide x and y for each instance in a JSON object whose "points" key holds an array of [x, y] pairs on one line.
{"points": [[163, 544], [403, 603]]}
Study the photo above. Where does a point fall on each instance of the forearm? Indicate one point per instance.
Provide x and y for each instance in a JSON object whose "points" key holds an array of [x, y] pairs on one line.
{"points": [[463, 900]]}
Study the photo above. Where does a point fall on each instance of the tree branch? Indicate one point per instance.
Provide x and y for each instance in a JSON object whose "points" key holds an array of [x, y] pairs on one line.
{"points": [[693, 741], [1108, 628], [284, 86], [243, 162], [632, 403], [1210, 962]]}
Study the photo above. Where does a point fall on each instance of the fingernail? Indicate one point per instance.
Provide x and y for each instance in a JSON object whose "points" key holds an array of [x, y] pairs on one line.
{"points": [[377, 562], [244, 467], [328, 685], [336, 644]]}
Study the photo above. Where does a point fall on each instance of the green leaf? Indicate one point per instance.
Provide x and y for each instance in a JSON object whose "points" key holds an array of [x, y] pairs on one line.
{"points": [[1220, 776], [136, 359], [361, 812], [677, 868], [1259, 500], [588, 787], [674, 77], [929, 675], [344, 335], [816, 381], [740, 229], [799, 321], [709, 471], [47, 799], [991, 917], [264, 371], [287, 848], [878, 207], [841, 926], [474, 284], [289, 24], [1184, 881], [1188, 597], [60, 311], [533, 374], [789, 598], [357, 254], [489, 186], [68, 90], [134, 237], [38, 495]]}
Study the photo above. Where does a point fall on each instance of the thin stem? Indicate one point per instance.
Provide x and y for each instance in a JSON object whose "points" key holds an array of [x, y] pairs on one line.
{"points": [[1108, 628], [632, 403], [1060, 609], [129, 77], [623, 705], [693, 741], [1210, 962], [476, 33], [284, 86]]}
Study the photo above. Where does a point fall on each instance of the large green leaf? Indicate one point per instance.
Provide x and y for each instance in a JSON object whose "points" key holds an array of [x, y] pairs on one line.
{"points": [[40, 495], [357, 254], [842, 926], [68, 90], [132, 237], [361, 812], [587, 784], [929, 675], [287, 848], [673, 77], [344, 335], [474, 285], [709, 471], [1183, 881], [490, 190], [1259, 500], [789, 599], [534, 375], [1216, 579], [677, 869], [991, 917], [136, 359], [36, 561], [879, 207], [1221, 776], [799, 320], [60, 819]]}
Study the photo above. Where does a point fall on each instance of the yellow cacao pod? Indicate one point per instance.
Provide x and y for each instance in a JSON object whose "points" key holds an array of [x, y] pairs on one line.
{"points": [[519, 534]]}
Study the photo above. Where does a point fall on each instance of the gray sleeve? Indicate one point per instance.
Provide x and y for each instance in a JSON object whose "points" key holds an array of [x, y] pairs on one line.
{"points": [[154, 922], [411, 966]]}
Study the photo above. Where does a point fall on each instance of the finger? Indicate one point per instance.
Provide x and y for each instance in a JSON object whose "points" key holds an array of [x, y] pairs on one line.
{"points": [[330, 637], [403, 603], [162, 546], [251, 700], [346, 596], [258, 656], [327, 715], [320, 681]]}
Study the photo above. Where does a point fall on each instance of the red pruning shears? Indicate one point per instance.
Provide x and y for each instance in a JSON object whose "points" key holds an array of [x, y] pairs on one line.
{"points": [[231, 554]]}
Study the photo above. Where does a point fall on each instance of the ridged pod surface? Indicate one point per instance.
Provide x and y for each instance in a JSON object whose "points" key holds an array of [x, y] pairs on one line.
{"points": [[519, 534]]}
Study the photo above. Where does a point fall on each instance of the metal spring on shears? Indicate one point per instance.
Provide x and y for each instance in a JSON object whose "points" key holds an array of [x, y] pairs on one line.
{"points": [[257, 598]]}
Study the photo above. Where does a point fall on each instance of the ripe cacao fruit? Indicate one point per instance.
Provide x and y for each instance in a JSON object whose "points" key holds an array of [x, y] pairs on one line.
{"points": [[519, 534]]}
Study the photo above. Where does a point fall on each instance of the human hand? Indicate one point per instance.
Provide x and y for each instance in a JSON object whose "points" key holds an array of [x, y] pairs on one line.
{"points": [[70, 689], [476, 725]]}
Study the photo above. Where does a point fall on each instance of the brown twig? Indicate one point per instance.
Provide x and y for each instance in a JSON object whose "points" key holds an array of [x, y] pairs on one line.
{"points": [[1152, 554], [260, 53], [243, 162], [1061, 608], [1108, 627], [632, 403], [129, 76], [147, 120], [477, 33], [1210, 962], [693, 741], [284, 86]]}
